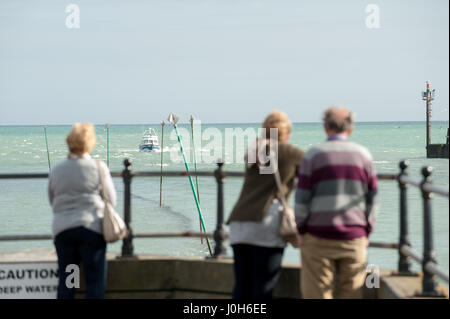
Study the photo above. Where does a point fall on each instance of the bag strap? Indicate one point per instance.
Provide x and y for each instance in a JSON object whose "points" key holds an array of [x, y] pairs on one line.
{"points": [[102, 182], [276, 174], [280, 188], [277, 177]]}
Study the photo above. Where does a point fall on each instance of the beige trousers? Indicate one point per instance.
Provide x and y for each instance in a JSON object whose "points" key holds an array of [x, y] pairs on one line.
{"points": [[328, 264]]}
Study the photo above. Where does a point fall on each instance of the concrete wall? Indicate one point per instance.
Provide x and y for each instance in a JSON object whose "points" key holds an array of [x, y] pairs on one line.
{"points": [[184, 278], [149, 276]]}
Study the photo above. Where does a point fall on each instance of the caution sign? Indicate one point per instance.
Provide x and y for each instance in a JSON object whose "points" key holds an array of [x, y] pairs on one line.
{"points": [[28, 280]]}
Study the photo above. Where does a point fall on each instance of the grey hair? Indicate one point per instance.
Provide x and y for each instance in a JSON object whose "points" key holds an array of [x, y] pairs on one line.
{"points": [[335, 122]]}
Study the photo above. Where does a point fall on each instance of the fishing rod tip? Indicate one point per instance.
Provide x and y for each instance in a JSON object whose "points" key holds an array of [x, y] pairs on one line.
{"points": [[173, 119]]}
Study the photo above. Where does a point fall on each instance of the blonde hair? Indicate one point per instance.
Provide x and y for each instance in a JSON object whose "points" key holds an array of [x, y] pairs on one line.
{"points": [[81, 138], [280, 121]]}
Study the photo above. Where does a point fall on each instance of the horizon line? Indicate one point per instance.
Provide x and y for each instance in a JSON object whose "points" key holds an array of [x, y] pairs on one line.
{"points": [[182, 123]]}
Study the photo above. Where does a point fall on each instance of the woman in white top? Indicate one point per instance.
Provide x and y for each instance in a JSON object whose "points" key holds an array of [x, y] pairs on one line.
{"points": [[74, 193]]}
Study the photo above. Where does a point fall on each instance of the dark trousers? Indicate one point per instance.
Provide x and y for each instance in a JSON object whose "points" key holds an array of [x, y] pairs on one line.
{"points": [[81, 245], [256, 271]]}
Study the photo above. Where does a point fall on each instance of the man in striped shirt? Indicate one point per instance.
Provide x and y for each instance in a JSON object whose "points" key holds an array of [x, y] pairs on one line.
{"points": [[335, 205]]}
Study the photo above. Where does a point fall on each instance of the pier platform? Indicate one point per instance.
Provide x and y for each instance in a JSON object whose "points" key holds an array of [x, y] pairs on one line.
{"points": [[153, 276]]}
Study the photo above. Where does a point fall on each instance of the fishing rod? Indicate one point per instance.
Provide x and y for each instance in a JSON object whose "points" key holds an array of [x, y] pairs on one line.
{"points": [[195, 157], [162, 152], [195, 167], [46, 144], [173, 119]]}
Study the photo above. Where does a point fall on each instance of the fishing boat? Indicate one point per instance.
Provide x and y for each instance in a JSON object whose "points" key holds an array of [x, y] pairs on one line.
{"points": [[149, 141]]}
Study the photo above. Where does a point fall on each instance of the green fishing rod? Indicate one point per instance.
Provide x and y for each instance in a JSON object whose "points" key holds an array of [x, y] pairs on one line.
{"points": [[46, 145], [195, 157], [195, 167], [173, 119]]}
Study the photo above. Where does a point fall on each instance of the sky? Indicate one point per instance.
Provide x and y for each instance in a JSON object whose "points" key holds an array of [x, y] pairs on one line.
{"points": [[222, 61]]}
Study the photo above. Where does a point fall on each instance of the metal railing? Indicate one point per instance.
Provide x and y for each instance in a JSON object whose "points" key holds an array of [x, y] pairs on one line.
{"points": [[430, 268]]}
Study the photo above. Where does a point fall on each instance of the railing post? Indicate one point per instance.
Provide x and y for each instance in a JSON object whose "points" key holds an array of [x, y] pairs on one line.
{"points": [[404, 263], [127, 244], [219, 233], [429, 284]]}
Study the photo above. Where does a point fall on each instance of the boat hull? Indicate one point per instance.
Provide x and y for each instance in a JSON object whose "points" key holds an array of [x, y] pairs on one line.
{"points": [[149, 148]]}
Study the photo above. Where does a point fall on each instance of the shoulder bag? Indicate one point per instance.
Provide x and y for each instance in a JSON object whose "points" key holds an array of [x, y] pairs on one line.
{"points": [[114, 227], [288, 228]]}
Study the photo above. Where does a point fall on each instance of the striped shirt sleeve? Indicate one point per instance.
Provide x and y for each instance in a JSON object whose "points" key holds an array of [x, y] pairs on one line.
{"points": [[372, 197]]}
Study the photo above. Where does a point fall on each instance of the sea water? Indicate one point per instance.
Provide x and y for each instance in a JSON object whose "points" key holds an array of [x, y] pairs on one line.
{"points": [[24, 206]]}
